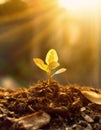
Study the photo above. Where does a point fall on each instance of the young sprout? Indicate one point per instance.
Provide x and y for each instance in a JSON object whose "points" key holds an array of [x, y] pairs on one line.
{"points": [[51, 63]]}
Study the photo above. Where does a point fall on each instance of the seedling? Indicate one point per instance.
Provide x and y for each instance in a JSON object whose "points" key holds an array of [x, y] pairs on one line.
{"points": [[51, 63]]}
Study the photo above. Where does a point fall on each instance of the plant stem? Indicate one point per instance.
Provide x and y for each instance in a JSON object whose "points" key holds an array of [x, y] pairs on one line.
{"points": [[49, 77]]}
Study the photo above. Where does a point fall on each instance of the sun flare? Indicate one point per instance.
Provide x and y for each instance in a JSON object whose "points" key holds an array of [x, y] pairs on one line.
{"points": [[79, 5]]}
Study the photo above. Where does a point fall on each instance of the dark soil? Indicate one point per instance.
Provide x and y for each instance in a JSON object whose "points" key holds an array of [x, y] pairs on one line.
{"points": [[49, 107]]}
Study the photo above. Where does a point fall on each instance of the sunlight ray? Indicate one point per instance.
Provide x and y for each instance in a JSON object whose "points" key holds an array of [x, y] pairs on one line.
{"points": [[31, 11], [40, 35], [35, 21], [14, 30], [39, 19]]}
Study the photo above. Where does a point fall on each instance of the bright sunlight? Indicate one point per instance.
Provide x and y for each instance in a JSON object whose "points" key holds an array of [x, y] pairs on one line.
{"points": [[79, 5], [3, 1]]}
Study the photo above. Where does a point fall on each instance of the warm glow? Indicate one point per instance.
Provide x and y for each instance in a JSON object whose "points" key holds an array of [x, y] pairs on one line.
{"points": [[3, 1], [79, 5], [73, 33]]}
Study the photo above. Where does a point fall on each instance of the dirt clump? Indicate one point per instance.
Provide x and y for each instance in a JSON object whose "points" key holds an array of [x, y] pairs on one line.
{"points": [[51, 106]]}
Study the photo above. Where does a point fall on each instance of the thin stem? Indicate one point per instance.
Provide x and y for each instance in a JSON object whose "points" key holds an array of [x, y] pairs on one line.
{"points": [[49, 77]]}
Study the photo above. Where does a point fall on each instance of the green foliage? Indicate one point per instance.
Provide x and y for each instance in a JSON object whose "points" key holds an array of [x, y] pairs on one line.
{"points": [[51, 64]]}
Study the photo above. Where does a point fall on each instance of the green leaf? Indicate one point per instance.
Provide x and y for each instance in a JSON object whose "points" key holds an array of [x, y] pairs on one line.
{"points": [[59, 71], [40, 63], [51, 57], [53, 65]]}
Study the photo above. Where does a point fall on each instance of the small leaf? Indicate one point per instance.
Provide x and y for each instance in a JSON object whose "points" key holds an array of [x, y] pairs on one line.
{"points": [[40, 63], [53, 65], [51, 56], [92, 96], [59, 71]]}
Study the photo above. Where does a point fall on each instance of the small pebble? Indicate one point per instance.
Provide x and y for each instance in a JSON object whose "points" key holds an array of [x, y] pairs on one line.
{"points": [[77, 127], [69, 128], [89, 127], [82, 109], [87, 118], [83, 123]]}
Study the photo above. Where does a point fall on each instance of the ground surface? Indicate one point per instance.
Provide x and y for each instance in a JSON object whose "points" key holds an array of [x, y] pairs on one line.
{"points": [[49, 107]]}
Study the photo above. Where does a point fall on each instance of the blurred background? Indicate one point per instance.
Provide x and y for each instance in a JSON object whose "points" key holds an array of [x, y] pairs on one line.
{"points": [[29, 28]]}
